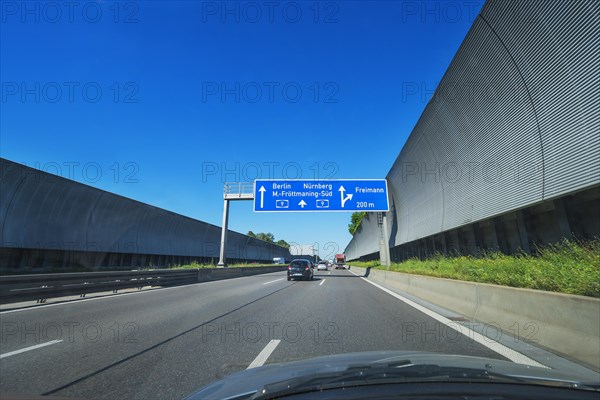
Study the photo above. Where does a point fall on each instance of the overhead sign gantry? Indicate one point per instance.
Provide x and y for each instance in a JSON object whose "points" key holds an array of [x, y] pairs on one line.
{"points": [[291, 195], [297, 195]]}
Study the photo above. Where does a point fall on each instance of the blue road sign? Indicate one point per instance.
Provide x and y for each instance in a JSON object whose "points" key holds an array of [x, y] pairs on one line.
{"points": [[320, 195]]}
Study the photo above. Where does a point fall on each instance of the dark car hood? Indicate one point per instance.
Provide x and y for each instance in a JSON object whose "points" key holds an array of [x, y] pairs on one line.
{"points": [[251, 380]]}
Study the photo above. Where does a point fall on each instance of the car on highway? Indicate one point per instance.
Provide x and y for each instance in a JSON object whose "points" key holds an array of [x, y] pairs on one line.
{"points": [[322, 266], [300, 269]]}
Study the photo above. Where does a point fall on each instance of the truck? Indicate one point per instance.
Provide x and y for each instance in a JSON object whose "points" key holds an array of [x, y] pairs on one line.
{"points": [[340, 260]]}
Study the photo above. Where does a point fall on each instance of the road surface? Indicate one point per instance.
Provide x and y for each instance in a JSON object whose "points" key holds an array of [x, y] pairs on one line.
{"points": [[167, 343]]}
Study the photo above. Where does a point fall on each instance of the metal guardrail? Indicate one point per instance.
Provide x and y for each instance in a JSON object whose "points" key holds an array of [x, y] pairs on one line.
{"points": [[43, 286], [40, 287]]}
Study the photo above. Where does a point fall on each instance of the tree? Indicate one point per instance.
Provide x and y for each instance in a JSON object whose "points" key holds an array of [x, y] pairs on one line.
{"points": [[355, 221], [267, 237], [283, 243]]}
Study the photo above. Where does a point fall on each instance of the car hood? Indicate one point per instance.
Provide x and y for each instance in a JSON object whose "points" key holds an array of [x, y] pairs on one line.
{"points": [[250, 381]]}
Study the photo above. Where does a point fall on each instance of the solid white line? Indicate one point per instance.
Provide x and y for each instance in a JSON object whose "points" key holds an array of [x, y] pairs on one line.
{"points": [[266, 283], [112, 296], [261, 358], [491, 344], [322, 282], [37, 346]]}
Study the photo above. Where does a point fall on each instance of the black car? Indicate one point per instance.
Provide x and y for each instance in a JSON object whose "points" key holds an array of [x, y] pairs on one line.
{"points": [[300, 269], [399, 374]]}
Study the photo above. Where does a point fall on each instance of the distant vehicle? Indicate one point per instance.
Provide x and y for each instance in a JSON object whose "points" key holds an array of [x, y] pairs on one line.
{"points": [[323, 265], [340, 260], [279, 260], [300, 269]]}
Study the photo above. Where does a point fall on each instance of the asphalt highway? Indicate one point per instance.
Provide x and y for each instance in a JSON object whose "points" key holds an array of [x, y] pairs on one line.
{"points": [[166, 343]]}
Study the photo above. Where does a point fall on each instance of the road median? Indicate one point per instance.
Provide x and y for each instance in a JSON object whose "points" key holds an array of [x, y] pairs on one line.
{"points": [[40, 287]]}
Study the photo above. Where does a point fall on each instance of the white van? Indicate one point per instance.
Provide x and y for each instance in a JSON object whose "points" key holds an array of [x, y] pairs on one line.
{"points": [[279, 260]]}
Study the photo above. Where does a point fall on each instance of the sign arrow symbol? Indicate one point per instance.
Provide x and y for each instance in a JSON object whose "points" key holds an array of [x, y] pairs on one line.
{"points": [[342, 190], [302, 203], [262, 191]]}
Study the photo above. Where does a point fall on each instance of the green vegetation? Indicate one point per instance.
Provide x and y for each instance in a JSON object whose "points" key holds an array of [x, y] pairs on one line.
{"points": [[355, 221], [269, 238], [568, 267], [282, 243], [196, 265], [193, 265]]}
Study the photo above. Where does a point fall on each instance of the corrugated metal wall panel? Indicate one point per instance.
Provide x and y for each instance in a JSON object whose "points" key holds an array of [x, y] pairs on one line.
{"points": [[556, 46], [368, 238], [42, 211], [500, 130], [533, 135], [416, 189]]}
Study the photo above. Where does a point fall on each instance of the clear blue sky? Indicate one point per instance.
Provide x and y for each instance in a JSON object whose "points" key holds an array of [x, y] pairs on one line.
{"points": [[163, 101]]}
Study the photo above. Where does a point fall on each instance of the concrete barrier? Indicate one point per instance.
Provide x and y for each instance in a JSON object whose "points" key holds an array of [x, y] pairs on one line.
{"points": [[565, 324]]}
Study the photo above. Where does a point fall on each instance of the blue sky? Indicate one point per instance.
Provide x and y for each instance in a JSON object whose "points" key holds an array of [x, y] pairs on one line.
{"points": [[163, 101]]}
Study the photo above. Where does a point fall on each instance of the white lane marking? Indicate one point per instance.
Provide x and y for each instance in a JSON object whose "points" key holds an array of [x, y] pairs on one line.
{"points": [[491, 344], [322, 282], [266, 283], [112, 296], [37, 346], [329, 273], [261, 358]]}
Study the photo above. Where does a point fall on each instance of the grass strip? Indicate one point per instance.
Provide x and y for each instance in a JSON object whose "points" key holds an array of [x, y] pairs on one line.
{"points": [[571, 267]]}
